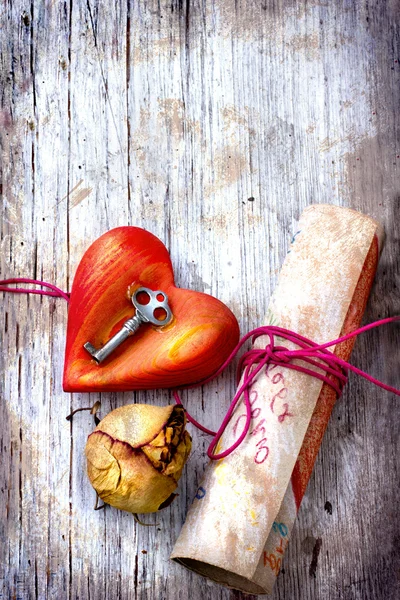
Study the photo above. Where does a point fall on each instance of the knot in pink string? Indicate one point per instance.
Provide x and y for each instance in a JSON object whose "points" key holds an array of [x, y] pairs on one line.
{"points": [[308, 357]]}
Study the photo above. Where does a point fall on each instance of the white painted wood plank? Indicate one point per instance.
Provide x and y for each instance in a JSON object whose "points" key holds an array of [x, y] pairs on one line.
{"points": [[171, 116]]}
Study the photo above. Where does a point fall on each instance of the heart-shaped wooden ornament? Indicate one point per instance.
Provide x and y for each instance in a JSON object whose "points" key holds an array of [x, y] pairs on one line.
{"points": [[201, 335]]}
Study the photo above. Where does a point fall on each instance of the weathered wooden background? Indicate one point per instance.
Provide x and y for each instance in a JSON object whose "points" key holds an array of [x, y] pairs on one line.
{"points": [[212, 124]]}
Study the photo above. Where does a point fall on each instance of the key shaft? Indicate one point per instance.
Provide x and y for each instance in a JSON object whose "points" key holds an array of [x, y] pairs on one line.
{"points": [[128, 329]]}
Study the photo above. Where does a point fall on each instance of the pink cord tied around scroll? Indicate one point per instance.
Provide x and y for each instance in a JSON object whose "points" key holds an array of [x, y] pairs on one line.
{"points": [[255, 360], [334, 369]]}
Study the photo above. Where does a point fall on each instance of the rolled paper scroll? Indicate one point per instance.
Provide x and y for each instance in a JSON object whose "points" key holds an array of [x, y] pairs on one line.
{"points": [[238, 527]]}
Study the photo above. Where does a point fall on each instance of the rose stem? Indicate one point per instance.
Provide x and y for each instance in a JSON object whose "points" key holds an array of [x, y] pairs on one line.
{"points": [[144, 524], [97, 501], [93, 410]]}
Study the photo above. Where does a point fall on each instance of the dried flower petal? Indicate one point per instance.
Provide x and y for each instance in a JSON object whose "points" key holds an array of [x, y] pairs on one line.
{"points": [[136, 455]]}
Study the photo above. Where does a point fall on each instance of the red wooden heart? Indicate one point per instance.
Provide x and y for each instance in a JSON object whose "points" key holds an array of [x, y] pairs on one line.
{"points": [[200, 337]]}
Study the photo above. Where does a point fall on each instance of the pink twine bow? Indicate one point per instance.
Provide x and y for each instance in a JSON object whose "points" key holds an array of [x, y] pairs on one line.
{"points": [[255, 360], [335, 371]]}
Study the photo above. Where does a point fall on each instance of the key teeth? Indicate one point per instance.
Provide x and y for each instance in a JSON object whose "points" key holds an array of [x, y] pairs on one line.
{"points": [[91, 349]]}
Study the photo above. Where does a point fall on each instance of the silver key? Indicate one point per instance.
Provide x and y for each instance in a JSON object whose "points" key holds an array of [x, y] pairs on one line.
{"points": [[151, 307]]}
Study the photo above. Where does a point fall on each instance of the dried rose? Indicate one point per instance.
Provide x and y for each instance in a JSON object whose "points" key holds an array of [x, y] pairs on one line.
{"points": [[136, 454]]}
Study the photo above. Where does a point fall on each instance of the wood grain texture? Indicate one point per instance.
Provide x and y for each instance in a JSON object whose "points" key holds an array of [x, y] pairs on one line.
{"points": [[212, 125]]}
